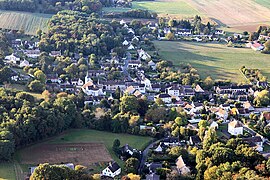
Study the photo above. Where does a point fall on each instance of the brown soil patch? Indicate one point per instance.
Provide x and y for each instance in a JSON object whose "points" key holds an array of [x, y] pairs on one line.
{"points": [[78, 153]]}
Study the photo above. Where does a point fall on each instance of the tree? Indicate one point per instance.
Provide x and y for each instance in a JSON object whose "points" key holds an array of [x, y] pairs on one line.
{"points": [[7, 145], [116, 145], [177, 151], [36, 86], [267, 46], [132, 165], [210, 138], [170, 36], [39, 75], [262, 98], [208, 82], [129, 104], [181, 121], [132, 176], [5, 74]]}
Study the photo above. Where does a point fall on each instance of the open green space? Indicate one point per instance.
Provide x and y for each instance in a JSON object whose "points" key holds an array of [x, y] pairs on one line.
{"points": [[265, 3], [7, 171], [167, 7], [28, 22], [213, 59], [115, 9]]}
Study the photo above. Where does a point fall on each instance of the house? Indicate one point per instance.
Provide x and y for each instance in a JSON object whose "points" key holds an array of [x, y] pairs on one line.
{"points": [[112, 170], [147, 128], [154, 166], [134, 64], [171, 141], [235, 128], [92, 90], [67, 88], [184, 32], [94, 100], [32, 53], [166, 98], [247, 106], [55, 53], [152, 65], [255, 142], [143, 55], [122, 22], [125, 43], [126, 149], [198, 89], [214, 125], [257, 46], [12, 59], [181, 166], [160, 147], [194, 140], [113, 85], [53, 78], [152, 176], [219, 32], [173, 90], [25, 63], [262, 84]]}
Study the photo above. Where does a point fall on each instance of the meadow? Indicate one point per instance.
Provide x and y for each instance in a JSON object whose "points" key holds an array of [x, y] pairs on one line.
{"points": [[265, 3], [212, 59], [7, 171], [29, 22], [163, 7]]}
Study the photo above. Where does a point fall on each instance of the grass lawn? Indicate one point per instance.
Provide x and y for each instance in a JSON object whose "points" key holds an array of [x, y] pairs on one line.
{"points": [[7, 171], [178, 7], [88, 136], [215, 60], [29, 22], [115, 9]]}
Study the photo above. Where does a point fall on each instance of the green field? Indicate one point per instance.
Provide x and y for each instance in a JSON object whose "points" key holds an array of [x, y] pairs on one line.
{"points": [[29, 22], [265, 3], [115, 9], [166, 7], [215, 60], [7, 171]]}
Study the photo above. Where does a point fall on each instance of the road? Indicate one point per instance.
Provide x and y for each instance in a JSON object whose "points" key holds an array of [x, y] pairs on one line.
{"points": [[145, 153]]}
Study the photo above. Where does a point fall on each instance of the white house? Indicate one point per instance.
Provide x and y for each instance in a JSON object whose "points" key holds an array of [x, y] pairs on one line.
{"points": [[32, 53], [25, 63], [131, 47], [235, 128], [152, 65], [222, 114], [122, 22], [112, 170], [125, 43], [214, 125], [12, 59], [181, 166], [166, 98]]}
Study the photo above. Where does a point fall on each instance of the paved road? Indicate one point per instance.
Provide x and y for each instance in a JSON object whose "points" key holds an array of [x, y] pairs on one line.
{"points": [[145, 153]]}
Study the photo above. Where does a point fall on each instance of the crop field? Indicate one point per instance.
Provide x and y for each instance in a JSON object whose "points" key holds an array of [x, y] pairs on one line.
{"points": [[78, 153], [87, 147], [264, 3], [241, 15], [29, 22], [215, 60]]}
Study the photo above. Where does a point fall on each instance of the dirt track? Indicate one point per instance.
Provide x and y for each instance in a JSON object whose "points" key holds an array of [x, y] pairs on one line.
{"points": [[79, 153]]}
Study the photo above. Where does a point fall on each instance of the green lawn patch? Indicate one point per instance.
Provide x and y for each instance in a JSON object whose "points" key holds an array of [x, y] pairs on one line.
{"points": [[7, 171], [166, 7], [213, 59]]}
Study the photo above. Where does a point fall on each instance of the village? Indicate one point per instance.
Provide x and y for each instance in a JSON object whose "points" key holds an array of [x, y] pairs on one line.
{"points": [[230, 106]]}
